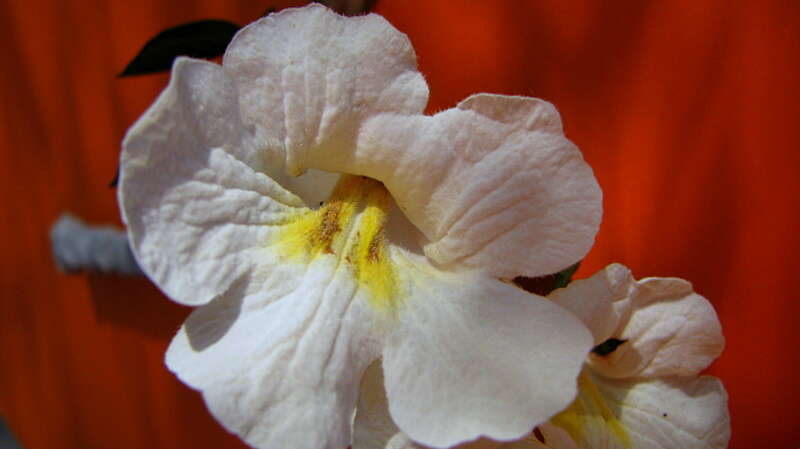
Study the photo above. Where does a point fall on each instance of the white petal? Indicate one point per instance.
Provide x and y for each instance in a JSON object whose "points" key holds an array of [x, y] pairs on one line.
{"points": [[373, 426], [529, 442], [401, 441], [471, 356], [670, 413], [492, 184], [309, 77], [596, 300], [314, 186], [190, 191], [556, 437], [672, 331], [281, 368], [374, 429]]}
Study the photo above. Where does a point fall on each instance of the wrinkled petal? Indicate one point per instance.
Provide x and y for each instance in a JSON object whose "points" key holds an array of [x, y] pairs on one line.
{"points": [[281, 367], [658, 414], [373, 426], [670, 413], [599, 301], [374, 429], [672, 331], [492, 183], [309, 77], [470, 356], [191, 191]]}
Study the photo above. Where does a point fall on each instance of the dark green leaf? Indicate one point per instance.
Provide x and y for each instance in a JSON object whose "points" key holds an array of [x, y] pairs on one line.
{"points": [[114, 181], [543, 285], [564, 277], [203, 39]]}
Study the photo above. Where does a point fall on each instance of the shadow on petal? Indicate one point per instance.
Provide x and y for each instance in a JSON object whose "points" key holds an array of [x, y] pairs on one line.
{"points": [[209, 323], [623, 362]]}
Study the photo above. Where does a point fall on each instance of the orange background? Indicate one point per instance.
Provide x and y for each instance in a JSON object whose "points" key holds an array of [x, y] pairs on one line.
{"points": [[685, 109]]}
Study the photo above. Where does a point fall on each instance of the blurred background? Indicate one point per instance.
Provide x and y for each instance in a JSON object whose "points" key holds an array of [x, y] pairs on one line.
{"points": [[685, 109]]}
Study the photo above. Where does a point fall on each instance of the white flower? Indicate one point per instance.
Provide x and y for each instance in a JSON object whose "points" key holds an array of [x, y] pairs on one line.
{"points": [[221, 187], [375, 429], [640, 388]]}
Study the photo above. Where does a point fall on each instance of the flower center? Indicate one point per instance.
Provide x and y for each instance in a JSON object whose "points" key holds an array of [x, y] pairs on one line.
{"points": [[351, 227], [589, 418]]}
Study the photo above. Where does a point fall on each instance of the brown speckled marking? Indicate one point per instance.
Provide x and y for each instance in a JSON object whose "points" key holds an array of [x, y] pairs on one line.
{"points": [[329, 226], [375, 247]]}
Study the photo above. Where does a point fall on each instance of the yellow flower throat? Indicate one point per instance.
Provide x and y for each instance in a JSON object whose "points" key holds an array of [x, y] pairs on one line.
{"points": [[590, 421], [350, 226]]}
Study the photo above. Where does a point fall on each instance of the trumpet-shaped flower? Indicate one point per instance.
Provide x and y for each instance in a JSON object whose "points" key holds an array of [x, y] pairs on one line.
{"points": [[640, 388], [299, 198]]}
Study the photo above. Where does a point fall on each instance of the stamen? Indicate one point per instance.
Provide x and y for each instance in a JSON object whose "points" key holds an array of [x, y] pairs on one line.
{"points": [[372, 265], [350, 225], [329, 227]]}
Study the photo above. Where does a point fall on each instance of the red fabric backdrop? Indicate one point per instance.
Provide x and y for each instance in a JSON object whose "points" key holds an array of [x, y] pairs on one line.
{"points": [[685, 109]]}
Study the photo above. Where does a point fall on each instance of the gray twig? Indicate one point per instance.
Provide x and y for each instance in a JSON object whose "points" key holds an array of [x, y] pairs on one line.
{"points": [[78, 247]]}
